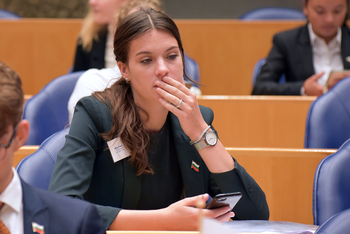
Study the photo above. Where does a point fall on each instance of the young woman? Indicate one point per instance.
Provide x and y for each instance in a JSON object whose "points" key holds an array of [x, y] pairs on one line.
{"points": [[308, 55], [142, 145], [95, 44]]}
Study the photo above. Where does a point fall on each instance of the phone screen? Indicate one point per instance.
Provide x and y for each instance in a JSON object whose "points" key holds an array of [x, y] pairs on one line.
{"points": [[224, 199]]}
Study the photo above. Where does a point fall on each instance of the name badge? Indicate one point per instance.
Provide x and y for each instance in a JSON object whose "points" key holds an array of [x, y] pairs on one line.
{"points": [[117, 149]]}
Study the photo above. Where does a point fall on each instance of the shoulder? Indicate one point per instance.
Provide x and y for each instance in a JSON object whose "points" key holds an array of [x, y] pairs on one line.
{"points": [[290, 34], [345, 32], [207, 114], [99, 112], [66, 213]]}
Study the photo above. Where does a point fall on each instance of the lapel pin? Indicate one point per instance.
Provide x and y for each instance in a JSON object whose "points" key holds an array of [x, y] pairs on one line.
{"points": [[38, 228], [195, 166], [347, 59]]}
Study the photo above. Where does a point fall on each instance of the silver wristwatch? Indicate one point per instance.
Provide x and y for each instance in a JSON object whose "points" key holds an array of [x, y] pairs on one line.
{"points": [[210, 139]]}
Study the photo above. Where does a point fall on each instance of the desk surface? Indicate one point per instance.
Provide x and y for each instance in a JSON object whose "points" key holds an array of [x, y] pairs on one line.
{"points": [[241, 226]]}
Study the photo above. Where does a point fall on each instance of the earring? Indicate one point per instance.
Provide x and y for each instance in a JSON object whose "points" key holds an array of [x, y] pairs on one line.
{"points": [[127, 80]]}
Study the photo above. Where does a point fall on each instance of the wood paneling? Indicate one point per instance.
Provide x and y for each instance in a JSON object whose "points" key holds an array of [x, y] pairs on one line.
{"points": [[226, 50], [286, 176], [259, 121]]}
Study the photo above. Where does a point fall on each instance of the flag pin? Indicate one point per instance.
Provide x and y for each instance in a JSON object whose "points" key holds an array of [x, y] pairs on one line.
{"points": [[38, 228], [195, 166]]}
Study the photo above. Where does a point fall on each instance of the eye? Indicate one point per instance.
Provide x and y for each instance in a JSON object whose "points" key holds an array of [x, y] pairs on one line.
{"points": [[173, 56], [145, 61]]}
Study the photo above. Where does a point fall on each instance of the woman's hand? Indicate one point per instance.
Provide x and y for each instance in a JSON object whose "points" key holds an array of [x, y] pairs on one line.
{"points": [[188, 113], [181, 215], [185, 213]]}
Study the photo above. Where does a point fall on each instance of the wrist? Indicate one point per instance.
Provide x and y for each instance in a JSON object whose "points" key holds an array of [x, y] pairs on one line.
{"points": [[196, 140]]}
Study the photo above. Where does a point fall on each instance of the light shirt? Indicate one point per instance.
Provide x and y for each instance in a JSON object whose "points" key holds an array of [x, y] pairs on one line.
{"points": [[90, 81], [110, 61], [326, 58], [12, 212]]}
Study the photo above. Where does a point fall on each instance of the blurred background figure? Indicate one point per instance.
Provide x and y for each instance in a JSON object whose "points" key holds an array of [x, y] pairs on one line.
{"points": [[95, 43], [313, 56]]}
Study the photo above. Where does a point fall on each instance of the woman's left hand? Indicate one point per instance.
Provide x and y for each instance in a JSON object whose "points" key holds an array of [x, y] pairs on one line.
{"points": [[182, 102]]}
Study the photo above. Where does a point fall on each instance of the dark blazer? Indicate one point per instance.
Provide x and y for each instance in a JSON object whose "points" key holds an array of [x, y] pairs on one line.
{"points": [[58, 214], [291, 54], [95, 58], [85, 168]]}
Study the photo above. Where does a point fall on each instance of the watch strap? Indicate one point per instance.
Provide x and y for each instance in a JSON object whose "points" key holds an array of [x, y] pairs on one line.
{"points": [[200, 145]]}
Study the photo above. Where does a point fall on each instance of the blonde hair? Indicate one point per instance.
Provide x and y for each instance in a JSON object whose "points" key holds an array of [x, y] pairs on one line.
{"points": [[90, 30]]}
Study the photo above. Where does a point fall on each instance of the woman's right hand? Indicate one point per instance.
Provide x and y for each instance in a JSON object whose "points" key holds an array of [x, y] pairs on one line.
{"points": [[184, 215], [179, 216]]}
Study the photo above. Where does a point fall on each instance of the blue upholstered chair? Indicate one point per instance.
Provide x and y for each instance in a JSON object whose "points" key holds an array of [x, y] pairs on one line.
{"points": [[328, 119], [192, 69], [337, 224], [273, 13], [47, 111], [36, 169], [331, 192], [257, 69], [4, 14]]}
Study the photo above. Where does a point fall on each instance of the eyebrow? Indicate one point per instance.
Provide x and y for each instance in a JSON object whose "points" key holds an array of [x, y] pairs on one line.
{"points": [[148, 52]]}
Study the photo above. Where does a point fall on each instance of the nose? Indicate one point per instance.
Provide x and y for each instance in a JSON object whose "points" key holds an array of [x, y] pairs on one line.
{"points": [[330, 17], [92, 2], [162, 68]]}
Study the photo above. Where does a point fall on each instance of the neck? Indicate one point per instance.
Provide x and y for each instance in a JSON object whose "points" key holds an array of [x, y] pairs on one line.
{"points": [[157, 115], [4, 182]]}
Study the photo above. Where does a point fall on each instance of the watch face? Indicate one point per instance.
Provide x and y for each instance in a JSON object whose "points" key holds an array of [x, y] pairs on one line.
{"points": [[211, 138]]}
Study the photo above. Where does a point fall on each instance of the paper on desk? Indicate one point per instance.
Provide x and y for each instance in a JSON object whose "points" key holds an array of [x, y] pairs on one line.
{"points": [[263, 226], [211, 226]]}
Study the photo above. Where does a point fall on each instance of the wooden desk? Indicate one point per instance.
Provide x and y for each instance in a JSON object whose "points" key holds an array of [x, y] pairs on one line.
{"points": [[259, 121], [286, 176], [23, 152], [226, 50]]}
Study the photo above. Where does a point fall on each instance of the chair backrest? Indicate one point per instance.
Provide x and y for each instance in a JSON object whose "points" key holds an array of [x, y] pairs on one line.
{"points": [[328, 119], [273, 13], [36, 169], [257, 69], [192, 69], [47, 111], [337, 224], [5, 14], [331, 192]]}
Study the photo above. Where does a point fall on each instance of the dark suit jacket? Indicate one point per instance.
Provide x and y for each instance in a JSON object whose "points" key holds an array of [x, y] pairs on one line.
{"points": [[85, 168], [58, 214], [95, 58], [291, 54]]}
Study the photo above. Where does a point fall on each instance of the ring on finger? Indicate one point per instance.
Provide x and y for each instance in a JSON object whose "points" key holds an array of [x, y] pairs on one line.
{"points": [[178, 105]]}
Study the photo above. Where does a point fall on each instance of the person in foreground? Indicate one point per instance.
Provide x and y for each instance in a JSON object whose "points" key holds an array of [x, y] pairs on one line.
{"points": [[23, 208], [137, 149], [313, 56]]}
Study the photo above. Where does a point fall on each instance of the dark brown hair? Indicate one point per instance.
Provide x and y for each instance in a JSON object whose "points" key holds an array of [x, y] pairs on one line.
{"points": [[127, 122], [11, 98], [347, 10]]}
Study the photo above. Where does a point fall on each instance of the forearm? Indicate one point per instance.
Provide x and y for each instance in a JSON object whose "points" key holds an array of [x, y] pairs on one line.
{"points": [[217, 159], [146, 220], [138, 220]]}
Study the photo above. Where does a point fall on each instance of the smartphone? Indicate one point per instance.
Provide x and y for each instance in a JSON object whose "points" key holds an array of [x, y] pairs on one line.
{"points": [[224, 199]]}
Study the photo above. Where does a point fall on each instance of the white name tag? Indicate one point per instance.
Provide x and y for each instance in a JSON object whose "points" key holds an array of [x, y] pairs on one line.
{"points": [[117, 149]]}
